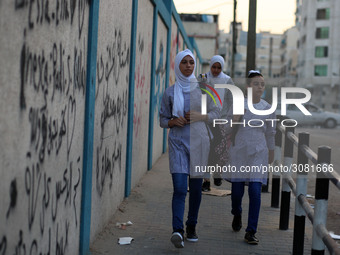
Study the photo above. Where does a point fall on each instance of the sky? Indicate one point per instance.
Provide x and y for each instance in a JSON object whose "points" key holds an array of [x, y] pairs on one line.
{"points": [[274, 16]]}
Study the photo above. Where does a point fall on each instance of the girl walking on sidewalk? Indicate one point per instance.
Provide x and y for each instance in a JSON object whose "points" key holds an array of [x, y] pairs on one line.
{"points": [[252, 148], [188, 143], [213, 77]]}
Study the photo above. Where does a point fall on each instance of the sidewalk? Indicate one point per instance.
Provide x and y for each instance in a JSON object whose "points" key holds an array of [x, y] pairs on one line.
{"points": [[149, 209]]}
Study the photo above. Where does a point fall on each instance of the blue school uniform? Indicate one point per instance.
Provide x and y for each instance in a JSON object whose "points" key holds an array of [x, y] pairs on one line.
{"points": [[188, 145], [250, 151], [249, 156]]}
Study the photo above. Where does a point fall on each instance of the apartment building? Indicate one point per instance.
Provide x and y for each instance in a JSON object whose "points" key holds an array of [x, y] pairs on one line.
{"points": [[289, 57], [318, 68], [268, 53], [204, 28]]}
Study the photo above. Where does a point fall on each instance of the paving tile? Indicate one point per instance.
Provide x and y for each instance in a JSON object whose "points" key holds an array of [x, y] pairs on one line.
{"points": [[149, 208]]}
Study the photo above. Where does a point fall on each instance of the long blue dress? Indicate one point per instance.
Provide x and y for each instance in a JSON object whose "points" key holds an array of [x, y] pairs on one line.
{"points": [[188, 145], [250, 151]]}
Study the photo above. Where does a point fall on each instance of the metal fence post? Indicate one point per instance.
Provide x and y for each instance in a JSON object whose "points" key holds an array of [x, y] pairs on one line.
{"points": [[301, 188], [285, 193], [276, 178], [321, 198]]}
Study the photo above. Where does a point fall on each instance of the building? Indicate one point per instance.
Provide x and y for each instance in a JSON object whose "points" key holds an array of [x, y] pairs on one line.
{"points": [[223, 43], [318, 22], [204, 28], [268, 53], [289, 57], [240, 56]]}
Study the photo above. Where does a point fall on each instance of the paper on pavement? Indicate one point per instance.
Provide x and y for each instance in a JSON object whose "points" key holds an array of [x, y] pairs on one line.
{"points": [[125, 240]]}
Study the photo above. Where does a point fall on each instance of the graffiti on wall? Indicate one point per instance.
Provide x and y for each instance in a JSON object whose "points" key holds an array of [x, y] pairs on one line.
{"points": [[160, 80], [60, 74], [112, 100], [47, 198], [142, 81], [51, 98], [47, 12], [181, 45], [173, 52]]}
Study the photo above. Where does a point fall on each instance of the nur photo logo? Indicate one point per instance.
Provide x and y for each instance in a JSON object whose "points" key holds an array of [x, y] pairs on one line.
{"points": [[212, 97], [239, 98]]}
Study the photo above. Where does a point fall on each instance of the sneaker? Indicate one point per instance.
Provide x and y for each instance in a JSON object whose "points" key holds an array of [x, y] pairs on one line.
{"points": [[206, 186], [177, 239], [218, 181], [251, 238], [237, 223], [191, 234]]}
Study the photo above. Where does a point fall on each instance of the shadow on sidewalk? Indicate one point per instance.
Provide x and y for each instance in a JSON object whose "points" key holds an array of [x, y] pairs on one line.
{"points": [[149, 209]]}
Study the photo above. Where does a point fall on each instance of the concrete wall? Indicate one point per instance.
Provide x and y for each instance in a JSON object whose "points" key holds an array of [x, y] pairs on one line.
{"points": [[159, 88], [173, 50], [206, 35], [200, 28], [76, 78], [198, 63], [142, 90], [180, 42], [196, 69], [207, 46], [43, 61], [111, 110]]}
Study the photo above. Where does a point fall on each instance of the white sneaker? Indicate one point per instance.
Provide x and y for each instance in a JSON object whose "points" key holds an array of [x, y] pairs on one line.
{"points": [[177, 240]]}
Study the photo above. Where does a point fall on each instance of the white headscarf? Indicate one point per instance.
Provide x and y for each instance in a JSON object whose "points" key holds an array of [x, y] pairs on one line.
{"points": [[183, 84], [217, 59], [221, 78]]}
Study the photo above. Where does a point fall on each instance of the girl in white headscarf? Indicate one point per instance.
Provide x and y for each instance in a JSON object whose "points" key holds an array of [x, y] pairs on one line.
{"points": [[216, 76], [188, 143], [213, 77]]}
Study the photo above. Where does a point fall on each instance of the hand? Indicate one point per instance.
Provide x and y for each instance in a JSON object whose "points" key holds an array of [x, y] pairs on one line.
{"points": [[270, 156], [193, 116], [180, 122]]}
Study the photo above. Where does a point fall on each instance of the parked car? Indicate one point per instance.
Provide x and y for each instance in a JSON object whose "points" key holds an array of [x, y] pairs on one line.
{"points": [[318, 117]]}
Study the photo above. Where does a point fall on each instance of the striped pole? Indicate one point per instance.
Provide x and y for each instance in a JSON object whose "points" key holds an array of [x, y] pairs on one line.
{"points": [[321, 199], [285, 193], [276, 179], [301, 188]]}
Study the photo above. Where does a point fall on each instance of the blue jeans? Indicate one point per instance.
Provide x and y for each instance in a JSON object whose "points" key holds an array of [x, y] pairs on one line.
{"points": [[180, 184], [254, 192]]}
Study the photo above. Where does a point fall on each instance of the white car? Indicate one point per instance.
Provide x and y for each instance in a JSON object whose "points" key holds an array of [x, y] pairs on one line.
{"points": [[318, 117]]}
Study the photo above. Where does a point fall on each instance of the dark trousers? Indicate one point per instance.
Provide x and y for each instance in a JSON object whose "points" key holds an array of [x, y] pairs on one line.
{"points": [[180, 184], [254, 193]]}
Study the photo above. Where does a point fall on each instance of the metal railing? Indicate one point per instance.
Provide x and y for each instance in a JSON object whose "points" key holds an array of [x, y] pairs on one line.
{"points": [[321, 166]]}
